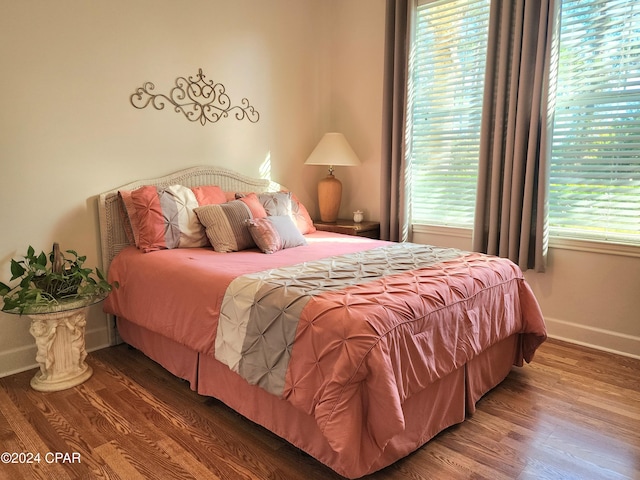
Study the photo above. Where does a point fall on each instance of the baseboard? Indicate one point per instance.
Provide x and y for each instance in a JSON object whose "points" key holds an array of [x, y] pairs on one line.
{"points": [[598, 338], [18, 360], [23, 358]]}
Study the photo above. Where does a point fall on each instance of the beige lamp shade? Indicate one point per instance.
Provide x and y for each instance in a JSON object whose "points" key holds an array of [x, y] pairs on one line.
{"points": [[333, 149]]}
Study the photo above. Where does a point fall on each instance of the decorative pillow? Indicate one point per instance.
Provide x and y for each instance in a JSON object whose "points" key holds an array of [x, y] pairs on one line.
{"points": [[276, 204], [129, 216], [301, 216], [166, 218], [209, 195], [226, 225], [252, 201], [285, 203], [275, 233]]}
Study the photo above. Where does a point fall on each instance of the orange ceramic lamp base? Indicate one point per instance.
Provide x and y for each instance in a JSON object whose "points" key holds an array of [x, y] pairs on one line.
{"points": [[329, 197]]}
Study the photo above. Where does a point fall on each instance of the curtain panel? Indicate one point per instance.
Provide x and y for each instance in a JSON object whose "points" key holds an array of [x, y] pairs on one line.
{"points": [[511, 206], [394, 206]]}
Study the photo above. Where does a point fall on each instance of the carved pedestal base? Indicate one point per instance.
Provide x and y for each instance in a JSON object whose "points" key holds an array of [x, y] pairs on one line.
{"points": [[61, 350]]}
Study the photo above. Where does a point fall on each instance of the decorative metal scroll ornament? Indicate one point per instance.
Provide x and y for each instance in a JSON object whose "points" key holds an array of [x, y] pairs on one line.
{"points": [[199, 100]]}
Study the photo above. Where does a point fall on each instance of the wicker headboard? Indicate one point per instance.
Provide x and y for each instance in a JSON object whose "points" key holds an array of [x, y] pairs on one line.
{"points": [[112, 234]]}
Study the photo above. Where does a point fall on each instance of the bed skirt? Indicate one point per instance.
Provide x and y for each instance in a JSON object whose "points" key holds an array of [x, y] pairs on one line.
{"points": [[444, 403]]}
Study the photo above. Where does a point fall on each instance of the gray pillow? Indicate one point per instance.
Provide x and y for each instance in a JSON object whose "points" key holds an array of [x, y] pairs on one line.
{"points": [[275, 233]]}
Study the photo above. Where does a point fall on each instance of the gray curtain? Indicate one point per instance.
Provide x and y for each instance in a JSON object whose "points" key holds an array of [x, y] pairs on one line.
{"points": [[394, 222], [511, 207]]}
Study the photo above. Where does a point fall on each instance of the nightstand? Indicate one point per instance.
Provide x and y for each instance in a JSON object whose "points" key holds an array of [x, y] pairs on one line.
{"points": [[349, 227]]}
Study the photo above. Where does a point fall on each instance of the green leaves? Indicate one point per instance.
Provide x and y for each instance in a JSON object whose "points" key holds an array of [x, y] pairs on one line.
{"points": [[17, 270], [41, 260], [41, 286]]}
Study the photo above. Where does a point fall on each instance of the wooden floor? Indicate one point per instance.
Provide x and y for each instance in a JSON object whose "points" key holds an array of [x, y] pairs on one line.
{"points": [[574, 413]]}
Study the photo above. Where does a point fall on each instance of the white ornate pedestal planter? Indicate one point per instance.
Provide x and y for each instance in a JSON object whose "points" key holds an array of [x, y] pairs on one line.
{"points": [[61, 351]]}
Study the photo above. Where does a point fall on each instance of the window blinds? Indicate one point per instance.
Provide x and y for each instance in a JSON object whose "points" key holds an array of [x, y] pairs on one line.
{"points": [[595, 165], [447, 83]]}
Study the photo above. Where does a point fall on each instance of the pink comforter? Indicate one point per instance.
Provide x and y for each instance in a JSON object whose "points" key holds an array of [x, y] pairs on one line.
{"points": [[359, 352], [415, 328]]}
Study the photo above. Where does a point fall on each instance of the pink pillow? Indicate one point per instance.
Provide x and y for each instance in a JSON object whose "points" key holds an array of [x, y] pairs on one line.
{"points": [[252, 201], [129, 216], [163, 218], [301, 216], [275, 233], [209, 195], [151, 226]]}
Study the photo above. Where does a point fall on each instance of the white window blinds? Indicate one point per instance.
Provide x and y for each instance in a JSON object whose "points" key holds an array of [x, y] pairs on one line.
{"points": [[595, 166], [447, 83]]}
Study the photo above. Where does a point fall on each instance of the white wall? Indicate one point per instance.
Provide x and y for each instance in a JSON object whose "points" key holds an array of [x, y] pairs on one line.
{"points": [[591, 298], [357, 67]]}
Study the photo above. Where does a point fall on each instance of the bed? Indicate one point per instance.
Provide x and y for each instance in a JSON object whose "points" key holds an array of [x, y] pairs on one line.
{"points": [[357, 351]]}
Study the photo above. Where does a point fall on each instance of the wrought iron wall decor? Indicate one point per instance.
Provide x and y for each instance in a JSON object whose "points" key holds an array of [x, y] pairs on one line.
{"points": [[199, 100]]}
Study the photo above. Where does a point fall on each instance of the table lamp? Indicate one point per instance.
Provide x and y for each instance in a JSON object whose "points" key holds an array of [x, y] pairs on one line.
{"points": [[332, 150]]}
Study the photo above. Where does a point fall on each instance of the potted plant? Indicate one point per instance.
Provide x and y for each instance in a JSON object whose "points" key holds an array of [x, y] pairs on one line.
{"points": [[55, 292], [52, 282]]}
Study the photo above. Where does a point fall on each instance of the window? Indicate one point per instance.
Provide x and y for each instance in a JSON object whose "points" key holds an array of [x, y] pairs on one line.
{"points": [[595, 165], [446, 107]]}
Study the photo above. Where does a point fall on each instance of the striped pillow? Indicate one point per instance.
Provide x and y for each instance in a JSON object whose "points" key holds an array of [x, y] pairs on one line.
{"points": [[226, 225]]}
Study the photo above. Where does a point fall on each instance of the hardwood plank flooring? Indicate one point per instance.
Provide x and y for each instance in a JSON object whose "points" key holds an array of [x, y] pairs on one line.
{"points": [[573, 413]]}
